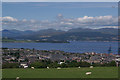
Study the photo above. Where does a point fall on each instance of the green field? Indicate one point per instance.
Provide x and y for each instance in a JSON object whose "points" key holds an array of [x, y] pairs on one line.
{"points": [[97, 72]]}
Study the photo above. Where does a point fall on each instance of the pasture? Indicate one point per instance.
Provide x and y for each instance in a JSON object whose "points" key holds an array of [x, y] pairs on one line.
{"points": [[97, 72]]}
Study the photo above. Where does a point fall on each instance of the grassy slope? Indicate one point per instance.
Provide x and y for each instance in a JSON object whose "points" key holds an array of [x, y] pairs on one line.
{"points": [[98, 72]]}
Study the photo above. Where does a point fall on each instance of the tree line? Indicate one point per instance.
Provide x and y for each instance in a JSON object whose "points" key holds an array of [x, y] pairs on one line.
{"points": [[48, 63]]}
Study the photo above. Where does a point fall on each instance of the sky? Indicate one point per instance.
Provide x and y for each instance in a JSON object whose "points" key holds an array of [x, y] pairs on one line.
{"points": [[60, 0], [59, 15]]}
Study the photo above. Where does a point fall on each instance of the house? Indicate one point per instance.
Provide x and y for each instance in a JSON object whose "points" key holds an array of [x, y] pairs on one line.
{"points": [[24, 65]]}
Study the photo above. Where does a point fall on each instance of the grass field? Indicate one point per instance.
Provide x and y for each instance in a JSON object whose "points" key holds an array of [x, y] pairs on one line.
{"points": [[97, 72]]}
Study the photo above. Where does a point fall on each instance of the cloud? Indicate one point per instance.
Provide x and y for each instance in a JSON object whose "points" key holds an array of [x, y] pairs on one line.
{"points": [[8, 18], [98, 21], [61, 23], [24, 20]]}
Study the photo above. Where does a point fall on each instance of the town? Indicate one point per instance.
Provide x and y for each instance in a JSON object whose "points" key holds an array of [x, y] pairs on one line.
{"points": [[54, 58]]}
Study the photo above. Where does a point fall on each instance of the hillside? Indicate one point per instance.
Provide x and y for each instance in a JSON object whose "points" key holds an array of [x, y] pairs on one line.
{"points": [[79, 34]]}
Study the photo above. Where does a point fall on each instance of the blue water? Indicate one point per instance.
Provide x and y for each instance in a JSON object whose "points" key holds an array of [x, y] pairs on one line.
{"points": [[75, 46]]}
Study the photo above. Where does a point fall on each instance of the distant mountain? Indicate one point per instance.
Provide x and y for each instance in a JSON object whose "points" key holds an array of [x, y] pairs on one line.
{"points": [[10, 33], [112, 31], [103, 34], [81, 30], [49, 32], [15, 33]]}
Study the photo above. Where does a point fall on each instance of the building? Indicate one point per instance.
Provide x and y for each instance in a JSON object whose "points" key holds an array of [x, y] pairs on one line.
{"points": [[118, 60]]}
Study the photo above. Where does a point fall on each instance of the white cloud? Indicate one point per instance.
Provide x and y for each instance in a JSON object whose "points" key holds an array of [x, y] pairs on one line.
{"points": [[24, 20], [61, 23], [8, 18]]}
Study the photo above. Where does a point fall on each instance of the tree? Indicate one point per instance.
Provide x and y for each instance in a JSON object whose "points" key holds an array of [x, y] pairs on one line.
{"points": [[10, 65], [63, 65], [38, 65], [84, 64], [112, 63], [54, 65]]}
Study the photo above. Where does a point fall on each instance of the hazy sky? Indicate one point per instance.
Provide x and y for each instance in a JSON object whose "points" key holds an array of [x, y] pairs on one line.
{"points": [[59, 15]]}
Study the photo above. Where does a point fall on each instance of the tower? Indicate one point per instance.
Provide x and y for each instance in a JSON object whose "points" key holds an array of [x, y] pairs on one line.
{"points": [[110, 50]]}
